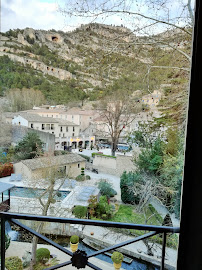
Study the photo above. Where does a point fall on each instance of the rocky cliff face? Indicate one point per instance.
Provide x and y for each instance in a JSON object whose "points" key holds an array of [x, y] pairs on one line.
{"points": [[50, 70], [94, 59]]}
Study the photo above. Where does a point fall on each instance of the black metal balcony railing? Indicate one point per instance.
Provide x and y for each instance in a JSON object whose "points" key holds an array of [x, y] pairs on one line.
{"points": [[80, 259]]}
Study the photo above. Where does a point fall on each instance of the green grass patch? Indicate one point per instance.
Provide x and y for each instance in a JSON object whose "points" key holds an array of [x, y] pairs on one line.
{"points": [[127, 214], [99, 154]]}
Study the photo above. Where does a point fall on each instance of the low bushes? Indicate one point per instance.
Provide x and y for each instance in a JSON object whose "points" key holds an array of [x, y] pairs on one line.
{"points": [[102, 155], [42, 255], [101, 209], [13, 263], [126, 185], [80, 211], [6, 169], [106, 188], [82, 177]]}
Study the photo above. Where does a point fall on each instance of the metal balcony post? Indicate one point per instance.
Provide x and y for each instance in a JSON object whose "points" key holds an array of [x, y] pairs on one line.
{"points": [[3, 243], [163, 251]]}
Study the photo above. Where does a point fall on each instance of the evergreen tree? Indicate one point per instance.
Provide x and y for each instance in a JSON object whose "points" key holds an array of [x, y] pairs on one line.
{"points": [[29, 147]]}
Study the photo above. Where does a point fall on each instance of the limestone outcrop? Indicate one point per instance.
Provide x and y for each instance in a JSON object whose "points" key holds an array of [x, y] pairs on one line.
{"points": [[56, 72]]}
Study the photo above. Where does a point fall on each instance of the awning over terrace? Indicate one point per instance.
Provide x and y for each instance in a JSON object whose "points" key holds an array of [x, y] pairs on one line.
{"points": [[5, 196]]}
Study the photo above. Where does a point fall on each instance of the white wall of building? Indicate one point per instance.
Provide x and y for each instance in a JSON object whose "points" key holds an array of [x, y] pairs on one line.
{"points": [[19, 120]]}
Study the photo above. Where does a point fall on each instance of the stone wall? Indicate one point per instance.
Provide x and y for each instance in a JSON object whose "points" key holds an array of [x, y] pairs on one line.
{"points": [[72, 170], [124, 163], [106, 162], [18, 132], [115, 166]]}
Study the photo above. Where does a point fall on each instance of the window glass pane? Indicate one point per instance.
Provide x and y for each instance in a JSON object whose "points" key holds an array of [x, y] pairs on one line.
{"points": [[120, 66]]}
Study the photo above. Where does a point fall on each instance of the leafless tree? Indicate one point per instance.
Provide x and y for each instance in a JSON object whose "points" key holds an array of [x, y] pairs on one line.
{"points": [[5, 132], [146, 19], [150, 187], [24, 99], [52, 178], [117, 111]]}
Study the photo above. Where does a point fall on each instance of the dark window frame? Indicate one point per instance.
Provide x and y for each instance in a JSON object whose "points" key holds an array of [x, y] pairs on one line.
{"points": [[190, 240]]}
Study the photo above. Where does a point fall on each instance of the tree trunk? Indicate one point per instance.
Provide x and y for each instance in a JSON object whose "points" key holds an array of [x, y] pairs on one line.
{"points": [[113, 149], [39, 229], [34, 246], [149, 248]]}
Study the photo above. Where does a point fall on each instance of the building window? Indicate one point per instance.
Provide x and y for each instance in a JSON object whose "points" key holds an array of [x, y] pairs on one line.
{"points": [[72, 134], [53, 132], [73, 129], [67, 129], [61, 129], [78, 165], [32, 126], [63, 135], [42, 127]]}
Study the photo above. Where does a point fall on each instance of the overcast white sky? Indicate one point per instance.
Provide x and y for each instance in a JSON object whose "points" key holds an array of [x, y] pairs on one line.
{"points": [[38, 14], [44, 14]]}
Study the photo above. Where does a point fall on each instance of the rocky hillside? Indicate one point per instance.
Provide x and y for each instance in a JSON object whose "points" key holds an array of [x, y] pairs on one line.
{"points": [[91, 61]]}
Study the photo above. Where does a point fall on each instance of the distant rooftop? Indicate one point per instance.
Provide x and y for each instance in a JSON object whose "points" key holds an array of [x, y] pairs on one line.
{"points": [[46, 162], [65, 122], [37, 118]]}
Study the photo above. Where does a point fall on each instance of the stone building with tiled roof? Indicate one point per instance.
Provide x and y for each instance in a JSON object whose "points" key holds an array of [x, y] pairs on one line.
{"points": [[67, 133], [63, 130], [36, 168]]}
